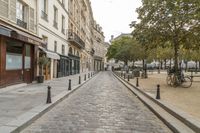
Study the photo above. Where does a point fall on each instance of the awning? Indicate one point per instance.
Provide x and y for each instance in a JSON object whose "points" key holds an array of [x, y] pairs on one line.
{"points": [[5, 31], [50, 54]]}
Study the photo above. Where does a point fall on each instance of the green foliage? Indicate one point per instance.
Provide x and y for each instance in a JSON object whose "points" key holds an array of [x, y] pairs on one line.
{"points": [[164, 22], [125, 49], [43, 61]]}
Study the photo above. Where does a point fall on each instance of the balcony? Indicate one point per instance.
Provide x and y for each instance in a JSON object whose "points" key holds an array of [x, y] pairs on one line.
{"points": [[44, 15], [21, 23], [74, 38]]}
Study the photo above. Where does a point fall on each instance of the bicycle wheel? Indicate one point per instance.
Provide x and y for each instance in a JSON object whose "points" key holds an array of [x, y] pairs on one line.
{"points": [[168, 80], [187, 82], [175, 81]]}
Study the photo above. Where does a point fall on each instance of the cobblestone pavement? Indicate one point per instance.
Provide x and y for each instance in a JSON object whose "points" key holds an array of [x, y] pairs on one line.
{"points": [[17, 101], [101, 105]]}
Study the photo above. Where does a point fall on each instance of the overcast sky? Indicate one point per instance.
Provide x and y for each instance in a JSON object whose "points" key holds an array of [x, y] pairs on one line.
{"points": [[115, 15]]}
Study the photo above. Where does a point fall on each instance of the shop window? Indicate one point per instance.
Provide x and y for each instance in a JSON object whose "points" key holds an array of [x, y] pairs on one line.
{"points": [[13, 55]]}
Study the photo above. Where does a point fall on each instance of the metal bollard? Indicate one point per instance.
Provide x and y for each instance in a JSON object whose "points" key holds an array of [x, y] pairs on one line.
{"points": [[158, 92], [128, 78], [124, 75], [121, 74], [79, 81], [137, 82], [69, 87], [91, 74], [88, 75], [85, 77], [48, 94]]}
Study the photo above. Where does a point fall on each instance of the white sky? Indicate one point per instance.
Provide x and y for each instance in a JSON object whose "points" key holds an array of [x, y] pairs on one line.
{"points": [[115, 15]]}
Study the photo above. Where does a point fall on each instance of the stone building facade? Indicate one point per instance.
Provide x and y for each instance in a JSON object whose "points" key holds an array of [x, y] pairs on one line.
{"points": [[80, 36], [18, 41], [62, 30], [52, 28]]}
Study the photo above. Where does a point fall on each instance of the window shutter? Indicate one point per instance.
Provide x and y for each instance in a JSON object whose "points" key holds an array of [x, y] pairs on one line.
{"points": [[4, 8], [13, 10], [31, 19]]}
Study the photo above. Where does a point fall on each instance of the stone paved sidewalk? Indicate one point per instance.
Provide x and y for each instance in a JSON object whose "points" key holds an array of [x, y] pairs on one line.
{"points": [[17, 101], [102, 105], [185, 99]]}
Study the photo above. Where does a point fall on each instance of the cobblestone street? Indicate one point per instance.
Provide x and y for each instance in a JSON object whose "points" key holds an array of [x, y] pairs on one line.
{"points": [[101, 105]]}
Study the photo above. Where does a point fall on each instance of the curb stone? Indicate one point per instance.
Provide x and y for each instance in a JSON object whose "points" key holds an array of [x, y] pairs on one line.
{"points": [[178, 128], [30, 116]]}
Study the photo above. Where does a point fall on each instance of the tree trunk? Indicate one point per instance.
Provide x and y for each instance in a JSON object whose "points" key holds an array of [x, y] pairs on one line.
{"points": [[161, 64], [165, 64], [176, 49], [159, 67], [170, 63], [186, 66], [196, 67]]}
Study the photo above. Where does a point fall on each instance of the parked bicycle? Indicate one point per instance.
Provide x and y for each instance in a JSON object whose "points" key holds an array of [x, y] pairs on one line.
{"points": [[178, 80]]}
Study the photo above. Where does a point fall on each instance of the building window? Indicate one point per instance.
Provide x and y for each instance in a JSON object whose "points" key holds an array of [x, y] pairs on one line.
{"points": [[45, 40], [63, 24], [21, 14], [13, 55], [55, 46], [63, 2], [63, 49], [55, 21], [70, 50], [44, 14]]}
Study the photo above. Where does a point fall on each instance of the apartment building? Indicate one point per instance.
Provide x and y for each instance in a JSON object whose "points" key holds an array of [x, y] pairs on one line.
{"points": [[18, 41], [52, 28], [61, 30], [80, 36], [99, 47]]}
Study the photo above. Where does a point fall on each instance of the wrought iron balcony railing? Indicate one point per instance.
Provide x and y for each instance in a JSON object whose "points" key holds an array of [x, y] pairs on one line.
{"points": [[44, 15], [22, 23], [73, 37]]}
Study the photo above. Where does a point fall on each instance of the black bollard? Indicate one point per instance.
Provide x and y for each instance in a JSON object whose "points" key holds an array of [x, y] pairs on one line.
{"points": [[79, 81], [158, 92], [121, 74], [88, 75], [49, 94], [69, 87], [85, 77], [91, 74], [124, 75], [137, 82], [128, 78]]}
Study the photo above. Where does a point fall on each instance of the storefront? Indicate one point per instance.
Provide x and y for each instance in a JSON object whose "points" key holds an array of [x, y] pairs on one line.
{"points": [[17, 57], [98, 63], [74, 64], [63, 66]]}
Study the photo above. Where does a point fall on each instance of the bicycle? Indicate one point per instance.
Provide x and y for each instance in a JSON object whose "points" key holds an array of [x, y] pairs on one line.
{"points": [[178, 80]]}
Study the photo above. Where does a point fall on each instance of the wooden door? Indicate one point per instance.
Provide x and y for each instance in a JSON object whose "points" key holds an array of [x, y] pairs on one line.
{"points": [[28, 50]]}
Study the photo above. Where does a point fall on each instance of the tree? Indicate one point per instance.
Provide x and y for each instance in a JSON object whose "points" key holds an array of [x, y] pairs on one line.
{"points": [[173, 21], [125, 49]]}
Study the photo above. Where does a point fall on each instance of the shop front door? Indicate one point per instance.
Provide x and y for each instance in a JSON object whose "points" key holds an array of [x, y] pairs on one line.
{"points": [[27, 63]]}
